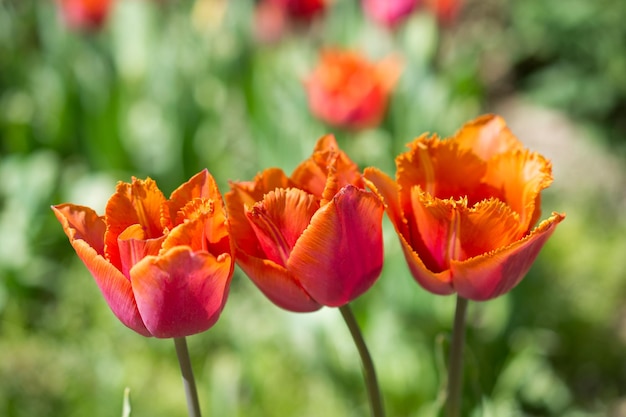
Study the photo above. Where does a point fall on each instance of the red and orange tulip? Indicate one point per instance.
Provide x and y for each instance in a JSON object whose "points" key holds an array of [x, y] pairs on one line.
{"points": [[464, 209], [163, 265], [347, 90], [311, 239], [85, 14]]}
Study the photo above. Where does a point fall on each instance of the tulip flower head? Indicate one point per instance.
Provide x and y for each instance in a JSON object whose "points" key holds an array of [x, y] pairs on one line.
{"points": [[446, 11], [347, 90], [464, 209], [85, 14], [311, 239], [273, 18], [389, 12], [163, 265]]}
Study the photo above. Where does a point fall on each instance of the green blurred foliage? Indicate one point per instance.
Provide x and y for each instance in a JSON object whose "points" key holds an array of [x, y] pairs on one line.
{"points": [[165, 90]]}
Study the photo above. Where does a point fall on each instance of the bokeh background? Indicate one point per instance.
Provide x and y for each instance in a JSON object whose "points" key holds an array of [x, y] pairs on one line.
{"points": [[167, 88]]}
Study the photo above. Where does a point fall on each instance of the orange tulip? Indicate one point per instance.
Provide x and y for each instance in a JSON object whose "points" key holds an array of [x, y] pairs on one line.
{"points": [[346, 90], [311, 239], [464, 209], [85, 14], [163, 266]]}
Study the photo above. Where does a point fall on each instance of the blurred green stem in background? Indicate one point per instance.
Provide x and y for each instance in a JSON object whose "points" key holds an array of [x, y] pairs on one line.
{"points": [[189, 382], [455, 367], [369, 372]]}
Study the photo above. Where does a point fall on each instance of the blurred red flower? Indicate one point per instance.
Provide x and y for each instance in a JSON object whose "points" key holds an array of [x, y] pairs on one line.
{"points": [[163, 266], [85, 14], [346, 90], [464, 209], [389, 12], [275, 17], [311, 239], [446, 11]]}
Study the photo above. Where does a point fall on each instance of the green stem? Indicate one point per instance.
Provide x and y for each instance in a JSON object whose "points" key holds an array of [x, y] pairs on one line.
{"points": [[193, 406], [369, 373], [455, 368]]}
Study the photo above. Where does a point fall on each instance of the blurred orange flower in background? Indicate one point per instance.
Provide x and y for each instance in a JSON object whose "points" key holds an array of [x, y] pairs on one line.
{"points": [[347, 90], [464, 209], [163, 266], [84, 14], [311, 239]]}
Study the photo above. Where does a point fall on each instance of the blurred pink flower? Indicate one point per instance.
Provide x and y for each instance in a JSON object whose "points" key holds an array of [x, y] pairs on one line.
{"points": [[84, 14], [389, 12]]}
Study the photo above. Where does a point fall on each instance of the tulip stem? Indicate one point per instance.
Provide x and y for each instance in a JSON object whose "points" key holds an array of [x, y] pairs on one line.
{"points": [[369, 373], [189, 382], [455, 367]]}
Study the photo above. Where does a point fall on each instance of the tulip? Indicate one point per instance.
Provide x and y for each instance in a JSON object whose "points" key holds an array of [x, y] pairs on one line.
{"points": [[464, 209], [446, 11], [348, 91], [85, 14], [163, 265], [389, 12], [310, 240], [274, 18]]}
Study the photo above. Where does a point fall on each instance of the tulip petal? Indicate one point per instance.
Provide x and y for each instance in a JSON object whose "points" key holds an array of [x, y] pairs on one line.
{"points": [[340, 255], [136, 203], [487, 136], [197, 233], [246, 194], [181, 292], [82, 223], [495, 273], [312, 174], [387, 189], [279, 285], [279, 220], [134, 247], [489, 225], [85, 230], [522, 176], [200, 186], [442, 169], [435, 282]]}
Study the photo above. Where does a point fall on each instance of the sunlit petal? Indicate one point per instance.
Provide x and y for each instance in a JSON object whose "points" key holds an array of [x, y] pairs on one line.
{"points": [[312, 174], [387, 189], [82, 223], [201, 186], [495, 273], [340, 255], [84, 227], [486, 137], [136, 203], [522, 175]]}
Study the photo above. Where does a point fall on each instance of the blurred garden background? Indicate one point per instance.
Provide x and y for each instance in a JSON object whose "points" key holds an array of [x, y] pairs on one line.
{"points": [[166, 88]]}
